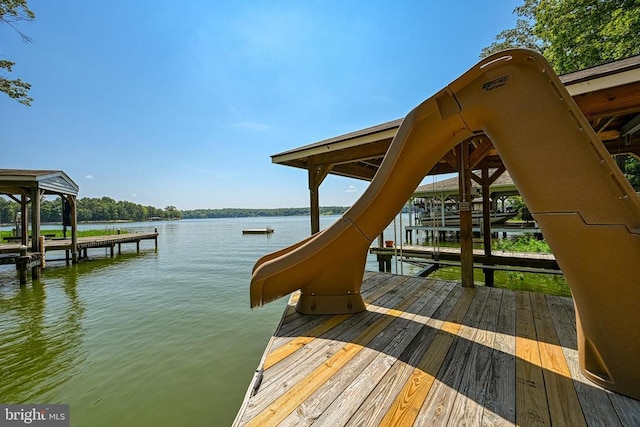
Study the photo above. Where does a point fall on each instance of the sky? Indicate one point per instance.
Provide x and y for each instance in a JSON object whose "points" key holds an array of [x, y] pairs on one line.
{"points": [[182, 103]]}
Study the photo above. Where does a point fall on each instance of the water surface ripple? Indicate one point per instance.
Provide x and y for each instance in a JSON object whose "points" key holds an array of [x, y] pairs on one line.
{"points": [[162, 338]]}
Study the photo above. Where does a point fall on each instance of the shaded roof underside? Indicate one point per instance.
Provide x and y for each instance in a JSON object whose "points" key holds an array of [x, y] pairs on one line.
{"points": [[22, 182], [608, 95]]}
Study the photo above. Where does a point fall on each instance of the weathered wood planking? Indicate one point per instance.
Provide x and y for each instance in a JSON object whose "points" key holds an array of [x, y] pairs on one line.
{"points": [[86, 242], [431, 352]]}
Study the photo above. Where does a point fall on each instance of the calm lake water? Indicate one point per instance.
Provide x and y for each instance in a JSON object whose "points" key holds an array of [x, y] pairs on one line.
{"points": [[162, 338]]}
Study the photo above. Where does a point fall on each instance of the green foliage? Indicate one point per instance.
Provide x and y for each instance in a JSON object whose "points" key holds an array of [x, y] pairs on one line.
{"points": [[518, 205], [108, 209], [520, 36], [16, 88], [551, 284], [11, 12], [245, 213], [92, 209], [632, 171], [15, 10], [574, 34], [526, 243]]}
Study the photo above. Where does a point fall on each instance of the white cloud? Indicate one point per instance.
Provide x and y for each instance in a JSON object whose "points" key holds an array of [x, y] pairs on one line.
{"points": [[89, 176], [351, 189]]}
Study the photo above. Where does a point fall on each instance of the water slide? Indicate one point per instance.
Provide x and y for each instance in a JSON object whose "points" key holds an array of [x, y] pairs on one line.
{"points": [[586, 209]]}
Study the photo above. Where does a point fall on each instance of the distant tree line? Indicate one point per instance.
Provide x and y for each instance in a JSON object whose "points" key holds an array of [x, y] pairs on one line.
{"points": [[108, 209], [245, 212], [91, 209]]}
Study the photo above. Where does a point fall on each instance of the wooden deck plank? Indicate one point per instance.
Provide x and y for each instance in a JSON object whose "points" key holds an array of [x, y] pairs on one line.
{"points": [[468, 407], [439, 403], [628, 409], [334, 402], [531, 400], [391, 385], [278, 376], [85, 242], [288, 401], [428, 352], [373, 286], [500, 400], [406, 406], [294, 396], [282, 352], [297, 326], [564, 407], [594, 400], [341, 410]]}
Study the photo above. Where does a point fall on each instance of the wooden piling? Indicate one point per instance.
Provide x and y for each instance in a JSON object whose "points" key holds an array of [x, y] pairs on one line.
{"points": [[466, 231], [21, 264]]}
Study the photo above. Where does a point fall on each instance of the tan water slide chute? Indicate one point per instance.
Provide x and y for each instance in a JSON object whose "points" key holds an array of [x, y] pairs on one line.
{"points": [[586, 209]]}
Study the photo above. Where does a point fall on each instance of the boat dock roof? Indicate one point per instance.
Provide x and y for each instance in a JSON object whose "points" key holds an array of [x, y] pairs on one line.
{"points": [[431, 352]]}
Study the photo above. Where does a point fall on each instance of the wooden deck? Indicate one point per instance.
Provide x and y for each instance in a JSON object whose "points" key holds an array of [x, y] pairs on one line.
{"points": [[430, 352], [107, 241]]}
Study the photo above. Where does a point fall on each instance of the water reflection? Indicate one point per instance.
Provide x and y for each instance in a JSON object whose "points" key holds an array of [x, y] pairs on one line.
{"points": [[40, 326], [41, 330]]}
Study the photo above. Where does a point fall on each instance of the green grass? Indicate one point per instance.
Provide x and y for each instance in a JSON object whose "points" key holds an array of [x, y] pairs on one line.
{"points": [[546, 283], [552, 284], [81, 233]]}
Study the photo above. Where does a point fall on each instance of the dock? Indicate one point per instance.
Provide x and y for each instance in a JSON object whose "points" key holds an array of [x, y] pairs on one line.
{"points": [[10, 253], [430, 352], [528, 262]]}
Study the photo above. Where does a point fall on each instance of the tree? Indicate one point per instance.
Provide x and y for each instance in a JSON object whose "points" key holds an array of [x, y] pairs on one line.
{"points": [[631, 169], [171, 212], [574, 34], [12, 12]]}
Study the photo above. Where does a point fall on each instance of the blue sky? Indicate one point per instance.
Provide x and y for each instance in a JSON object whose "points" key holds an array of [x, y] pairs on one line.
{"points": [[183, 103]]}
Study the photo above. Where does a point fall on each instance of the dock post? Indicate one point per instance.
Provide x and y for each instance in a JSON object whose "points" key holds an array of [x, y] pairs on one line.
{"points": [[487, 180], [119, 246], [384, 263], [156, 238], [464, 208], [21, 265], [74, 229], [42, 253]]}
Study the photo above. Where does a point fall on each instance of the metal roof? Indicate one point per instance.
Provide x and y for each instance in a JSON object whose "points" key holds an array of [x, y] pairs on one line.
{"points": [[22, 181], [449, 187]]}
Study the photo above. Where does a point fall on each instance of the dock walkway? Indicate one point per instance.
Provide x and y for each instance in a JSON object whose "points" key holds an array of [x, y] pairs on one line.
{"points": [[430, 352], [535, 262], [9, 252], [106, 241]]}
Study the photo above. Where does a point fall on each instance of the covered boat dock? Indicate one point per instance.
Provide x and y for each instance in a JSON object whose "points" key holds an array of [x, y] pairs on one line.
{"points": [[27, 249], [27, 187], [434, 352], [608, 95]]}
